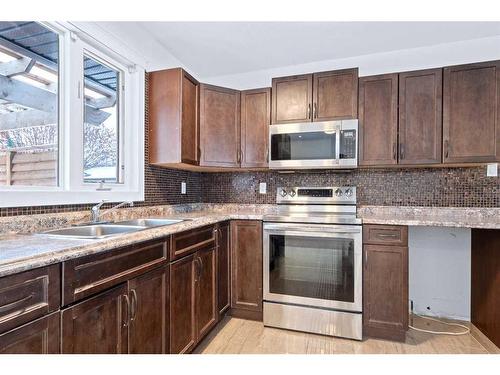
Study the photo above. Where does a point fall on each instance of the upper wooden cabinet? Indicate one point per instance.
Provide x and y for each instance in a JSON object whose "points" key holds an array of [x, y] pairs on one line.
{"points": [[315, 97], [173, 117], [255, 121], [219, 126], [420, 116], [335, 95], [292, 99], [378, 120], [471, 113]]}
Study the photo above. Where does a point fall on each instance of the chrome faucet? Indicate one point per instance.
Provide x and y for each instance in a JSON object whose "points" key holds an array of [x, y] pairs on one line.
{"points": [[96, 214]]}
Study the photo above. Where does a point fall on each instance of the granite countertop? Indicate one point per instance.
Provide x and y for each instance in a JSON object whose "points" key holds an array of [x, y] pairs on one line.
{"points": [[486, 218], [23, 252], [20, 252]]}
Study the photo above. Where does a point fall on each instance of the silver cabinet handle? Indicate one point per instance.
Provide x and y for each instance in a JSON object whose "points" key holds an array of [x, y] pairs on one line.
{"points": [[309, 111], [386, 235], [127, 301], [315, 110], [133, 309]]}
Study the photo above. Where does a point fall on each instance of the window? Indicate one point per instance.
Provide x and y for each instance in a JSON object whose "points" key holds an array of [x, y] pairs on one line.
{"points": [[101, 125], [29, 76], [71, 117]]}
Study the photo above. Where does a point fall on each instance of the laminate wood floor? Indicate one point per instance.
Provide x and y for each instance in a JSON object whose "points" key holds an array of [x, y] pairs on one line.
{"points": [[239, 336]]}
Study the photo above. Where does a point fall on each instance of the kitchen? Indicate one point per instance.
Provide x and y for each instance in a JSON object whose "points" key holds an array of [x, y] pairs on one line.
{"points": [[340, 201]]}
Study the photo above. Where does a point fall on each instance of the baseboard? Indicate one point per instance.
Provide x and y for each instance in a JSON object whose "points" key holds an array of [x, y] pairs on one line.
{"points": [[246, 314]]}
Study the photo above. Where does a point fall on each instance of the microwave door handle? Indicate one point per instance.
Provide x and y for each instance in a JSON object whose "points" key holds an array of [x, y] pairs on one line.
{"points": [[337, 143]]}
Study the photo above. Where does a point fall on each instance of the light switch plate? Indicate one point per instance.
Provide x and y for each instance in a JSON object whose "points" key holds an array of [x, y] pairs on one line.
{"points": [[262, 188], [492, 170], [183, 187]]}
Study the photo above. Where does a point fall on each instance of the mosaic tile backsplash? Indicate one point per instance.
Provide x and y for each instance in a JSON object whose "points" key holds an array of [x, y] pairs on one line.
{"points": [[438, 187]]}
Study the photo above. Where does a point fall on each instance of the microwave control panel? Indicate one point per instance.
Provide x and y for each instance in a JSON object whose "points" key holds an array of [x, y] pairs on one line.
{"points": [[348, 144]]}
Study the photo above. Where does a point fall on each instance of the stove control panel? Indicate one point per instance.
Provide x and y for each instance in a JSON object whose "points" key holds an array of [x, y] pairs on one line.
{"points": [[316, 195]]}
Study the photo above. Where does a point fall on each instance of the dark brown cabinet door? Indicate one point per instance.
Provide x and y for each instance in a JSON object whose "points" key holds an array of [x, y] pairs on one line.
{"points": [[255, 121], [246, 259], [420, 116], [219, 126], [182, 305], [189, 119], [223, 268], [471, 113], [385, 306], [148, 327], [335, 95], [173, 117], [292, 99], [38, 337], [206, 291], [378, 120], [97, 325]]}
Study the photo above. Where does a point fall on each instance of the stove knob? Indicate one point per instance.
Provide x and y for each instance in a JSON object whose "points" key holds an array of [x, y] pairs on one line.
{"points": [[292, 193], [338, 193], [283, 192], [348, 193]]}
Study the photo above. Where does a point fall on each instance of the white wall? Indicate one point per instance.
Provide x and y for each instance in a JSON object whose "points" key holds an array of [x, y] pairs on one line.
{"points": [[396, 61], [439, 271]]}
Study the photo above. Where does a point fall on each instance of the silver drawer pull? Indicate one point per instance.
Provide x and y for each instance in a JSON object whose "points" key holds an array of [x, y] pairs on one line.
{"points": [[14, 304], [384, 235]]}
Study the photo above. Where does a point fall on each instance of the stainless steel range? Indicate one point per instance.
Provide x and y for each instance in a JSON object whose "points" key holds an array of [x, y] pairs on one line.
{"points": [[313, 262]]}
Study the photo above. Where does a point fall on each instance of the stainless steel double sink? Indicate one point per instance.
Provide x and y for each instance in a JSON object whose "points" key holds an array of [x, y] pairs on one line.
{"points": [[98, 231]]}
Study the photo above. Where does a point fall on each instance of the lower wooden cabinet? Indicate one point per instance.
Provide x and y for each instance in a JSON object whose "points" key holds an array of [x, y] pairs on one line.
{"points": [[246, 269], [223, 268], [182, 305], [206, 292], [130, 318], [193, 302], [385, 282], [98, 325], [148, 327], [40, 336]]}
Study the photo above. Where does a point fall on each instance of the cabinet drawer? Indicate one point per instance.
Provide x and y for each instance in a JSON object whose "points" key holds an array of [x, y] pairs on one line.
{"points": [[28, 295], [37, 337], [188, 242], [385, 235], [85, 276]]}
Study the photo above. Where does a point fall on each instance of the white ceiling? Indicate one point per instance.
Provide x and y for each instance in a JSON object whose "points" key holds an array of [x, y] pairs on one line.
{"points": [[212, 49]]}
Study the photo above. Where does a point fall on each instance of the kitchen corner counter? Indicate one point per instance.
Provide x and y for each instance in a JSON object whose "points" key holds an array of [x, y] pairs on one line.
{"points": [[467, 217]]}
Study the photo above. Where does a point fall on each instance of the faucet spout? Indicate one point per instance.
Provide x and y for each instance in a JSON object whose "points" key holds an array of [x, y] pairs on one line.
{"points": [[96, 214]]}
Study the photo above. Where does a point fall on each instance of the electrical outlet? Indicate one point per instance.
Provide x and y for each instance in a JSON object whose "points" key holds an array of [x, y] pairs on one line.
{"points": [[262, 188], [183, 187], [492, 170]]}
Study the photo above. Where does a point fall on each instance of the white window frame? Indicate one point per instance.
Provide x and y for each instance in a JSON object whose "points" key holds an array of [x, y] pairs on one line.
{"points": [[71, 188]]}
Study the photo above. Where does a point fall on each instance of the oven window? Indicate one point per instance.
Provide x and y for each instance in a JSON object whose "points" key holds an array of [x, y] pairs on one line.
{"points": [[313, 267], [303, 146]]}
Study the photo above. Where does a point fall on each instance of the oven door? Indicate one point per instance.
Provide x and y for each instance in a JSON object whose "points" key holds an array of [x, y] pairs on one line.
{"points": [[305, 145], [313, 265]]}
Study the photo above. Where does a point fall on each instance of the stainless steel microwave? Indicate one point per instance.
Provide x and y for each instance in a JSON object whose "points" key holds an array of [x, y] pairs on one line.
{"points": [[314, 145]]}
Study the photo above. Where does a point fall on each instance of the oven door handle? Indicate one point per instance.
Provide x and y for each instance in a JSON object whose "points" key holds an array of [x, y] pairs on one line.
{"points": [[323, 230]]}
